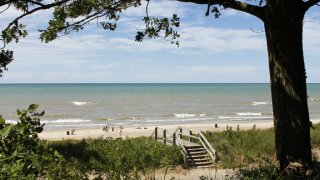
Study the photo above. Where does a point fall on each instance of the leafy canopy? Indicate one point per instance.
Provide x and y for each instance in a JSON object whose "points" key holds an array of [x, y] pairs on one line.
{"points": [[73, 15]]}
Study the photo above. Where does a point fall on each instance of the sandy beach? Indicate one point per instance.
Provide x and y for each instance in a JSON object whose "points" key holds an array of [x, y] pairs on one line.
{"points": [[137, 131]]}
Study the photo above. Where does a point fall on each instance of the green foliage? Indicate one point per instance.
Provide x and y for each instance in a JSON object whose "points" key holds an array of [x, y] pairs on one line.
{"points": [[73, 16], [241, 148], [253, 152], [315, 136], [155, 26], [6, 57], [14, 32], [24, 156], [269, 170], [116, 159]]}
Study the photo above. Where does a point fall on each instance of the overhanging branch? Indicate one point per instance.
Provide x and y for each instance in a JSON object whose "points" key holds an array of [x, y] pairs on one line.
{"points": [[310, 3], [2, 3], [43, 7], [233, 4]]}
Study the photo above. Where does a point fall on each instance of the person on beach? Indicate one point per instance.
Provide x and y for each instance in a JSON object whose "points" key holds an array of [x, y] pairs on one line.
{"points": [[105, 128]]}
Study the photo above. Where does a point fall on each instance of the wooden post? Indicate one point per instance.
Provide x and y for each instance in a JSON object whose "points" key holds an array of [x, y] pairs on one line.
{"points": [[180, 133], [164, 136], [190, 133], [156, 134], [174, 139]]}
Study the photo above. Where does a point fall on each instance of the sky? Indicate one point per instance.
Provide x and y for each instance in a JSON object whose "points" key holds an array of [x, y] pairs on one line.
{"points": [[231, 49]]}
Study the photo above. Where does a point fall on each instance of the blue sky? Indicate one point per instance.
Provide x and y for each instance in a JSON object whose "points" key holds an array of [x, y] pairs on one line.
{"points": [[229, 49]]}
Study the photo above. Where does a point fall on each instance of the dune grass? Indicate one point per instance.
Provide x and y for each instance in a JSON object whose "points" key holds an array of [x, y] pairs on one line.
{"points": [[242, 148], [116, 158], [251, 151]]}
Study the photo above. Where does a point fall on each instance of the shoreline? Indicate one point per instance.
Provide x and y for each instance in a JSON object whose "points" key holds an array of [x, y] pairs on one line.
{"points": [[132, 131]]}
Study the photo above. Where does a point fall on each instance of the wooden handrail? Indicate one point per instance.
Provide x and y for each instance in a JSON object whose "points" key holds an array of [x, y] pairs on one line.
{"points": [[183, 151], [210, 149], [176, 141]]}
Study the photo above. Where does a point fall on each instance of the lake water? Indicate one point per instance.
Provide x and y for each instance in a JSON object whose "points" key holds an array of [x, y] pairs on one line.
{"points": [[94, 105]]}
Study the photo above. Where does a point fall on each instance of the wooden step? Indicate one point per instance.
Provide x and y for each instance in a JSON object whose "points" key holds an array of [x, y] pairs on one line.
{"points": [[197, 153], [193, 147], [198, 164], [200, 160], [196, 149], [204, 156]]}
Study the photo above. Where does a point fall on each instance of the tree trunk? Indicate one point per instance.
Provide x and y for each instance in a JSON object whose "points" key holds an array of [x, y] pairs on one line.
{"points": [[283, 25]]}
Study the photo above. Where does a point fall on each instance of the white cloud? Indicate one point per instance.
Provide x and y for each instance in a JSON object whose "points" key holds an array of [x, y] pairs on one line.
{"points": [[220, 70], [75, 77], [157, 8], [311, 37], [14, 76], [217, 40]]}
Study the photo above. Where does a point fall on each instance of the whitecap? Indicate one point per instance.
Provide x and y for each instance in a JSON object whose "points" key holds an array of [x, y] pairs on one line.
{"points": [[66, 121], [235, 118], [79, 103], [248, 114], [184, 115], [175, 120], [188, 115], [259, 103]]}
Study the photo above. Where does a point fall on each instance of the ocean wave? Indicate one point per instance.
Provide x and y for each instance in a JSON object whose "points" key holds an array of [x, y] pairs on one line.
{"points": [[79, 103], [65, 121], [249, 114], [177, 120], [315, 99], [11, 121], [259, 103], [134, 118], [188, 115], [234, 118]]}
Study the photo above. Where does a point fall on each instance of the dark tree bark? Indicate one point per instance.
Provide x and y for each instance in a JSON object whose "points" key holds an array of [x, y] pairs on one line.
{"points": [[284, 25]]}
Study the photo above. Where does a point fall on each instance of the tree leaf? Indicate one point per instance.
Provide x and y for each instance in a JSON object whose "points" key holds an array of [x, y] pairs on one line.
{"points": [[2, 121], [5, 131], [32, 108]]}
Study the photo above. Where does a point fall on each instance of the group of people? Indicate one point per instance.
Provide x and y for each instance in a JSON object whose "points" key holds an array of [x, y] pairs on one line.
{"points": [[106, 128]]}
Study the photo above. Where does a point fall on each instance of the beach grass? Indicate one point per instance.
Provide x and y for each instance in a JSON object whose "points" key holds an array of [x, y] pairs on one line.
{"points": [[117, 158], [237, 148], [252, 152]]}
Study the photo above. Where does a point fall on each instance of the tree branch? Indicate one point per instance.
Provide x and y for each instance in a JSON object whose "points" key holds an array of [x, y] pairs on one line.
{"points": [[47, 6], [5, 8], [310, 3], [233, 4], [2, 3], [35, 2]]}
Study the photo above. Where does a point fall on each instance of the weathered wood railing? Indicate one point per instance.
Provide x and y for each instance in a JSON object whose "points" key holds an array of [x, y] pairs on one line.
{"points": [[176, 137], [212, 152]]}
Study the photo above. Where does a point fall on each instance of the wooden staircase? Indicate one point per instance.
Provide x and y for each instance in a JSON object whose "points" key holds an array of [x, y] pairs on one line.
{"points": [[198, 156], [197, 151]]}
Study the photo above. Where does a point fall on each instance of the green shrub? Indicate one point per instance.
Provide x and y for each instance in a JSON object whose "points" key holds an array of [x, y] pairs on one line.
{"points": [[24, 156]]}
